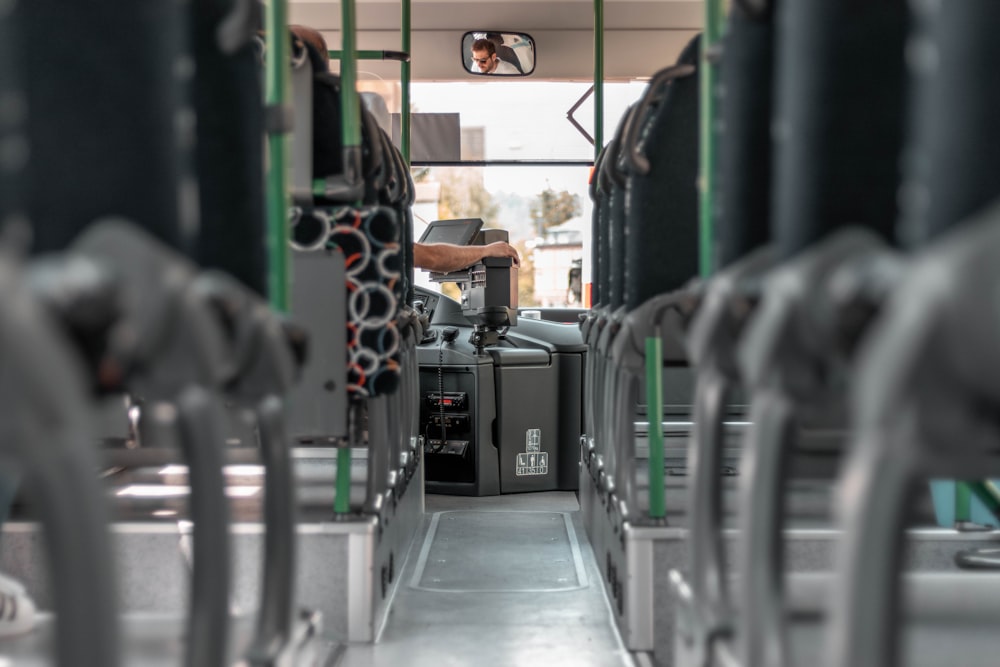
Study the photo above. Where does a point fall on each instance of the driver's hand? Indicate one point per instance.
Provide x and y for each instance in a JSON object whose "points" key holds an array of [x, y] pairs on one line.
{"points": [[502, 249]]}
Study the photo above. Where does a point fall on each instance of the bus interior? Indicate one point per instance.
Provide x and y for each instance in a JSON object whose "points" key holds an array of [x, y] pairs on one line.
{"points": [[702, 380]]}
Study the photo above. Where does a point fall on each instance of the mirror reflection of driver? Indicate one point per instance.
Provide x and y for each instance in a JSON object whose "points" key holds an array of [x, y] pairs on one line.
{"points": [[486, 61]]}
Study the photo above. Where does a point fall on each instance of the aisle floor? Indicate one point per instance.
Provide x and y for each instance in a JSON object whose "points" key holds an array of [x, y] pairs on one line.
{"points": [[497, 582]]}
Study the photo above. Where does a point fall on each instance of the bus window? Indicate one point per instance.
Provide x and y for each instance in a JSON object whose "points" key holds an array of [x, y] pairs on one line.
{"points": [[523, 167]]}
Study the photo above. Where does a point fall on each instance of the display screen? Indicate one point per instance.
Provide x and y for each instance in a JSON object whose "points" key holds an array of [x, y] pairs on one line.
{"points": [[459, 232]]}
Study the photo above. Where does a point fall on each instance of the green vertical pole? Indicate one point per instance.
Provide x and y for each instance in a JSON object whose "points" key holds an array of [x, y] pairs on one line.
{"points": [[350, 105], [350, 110], [714, 17], [404, 82], [963, 503], [654, 410], [276, 93], [598, 77]]}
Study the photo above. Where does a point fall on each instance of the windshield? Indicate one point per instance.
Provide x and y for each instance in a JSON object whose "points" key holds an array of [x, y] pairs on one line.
{"points": [[519, 164]]}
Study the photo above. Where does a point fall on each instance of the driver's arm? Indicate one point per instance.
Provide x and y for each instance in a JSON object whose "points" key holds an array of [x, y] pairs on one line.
{"points": [[446, 257]]}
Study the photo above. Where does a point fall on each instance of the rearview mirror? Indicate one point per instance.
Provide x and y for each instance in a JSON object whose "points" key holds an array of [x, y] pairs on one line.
{"points": [[498, 53]]}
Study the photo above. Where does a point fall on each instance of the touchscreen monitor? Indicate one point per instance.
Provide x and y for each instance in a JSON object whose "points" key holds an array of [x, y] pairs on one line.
{"points": [[460, 232]]}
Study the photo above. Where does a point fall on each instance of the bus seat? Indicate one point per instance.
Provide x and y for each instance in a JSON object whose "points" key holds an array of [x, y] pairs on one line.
{"points": [[222, 339], [935, 195], [320, 135], [858, 130], [743, 255], [184, 364], [399, 193], [123, 153], [836, 171], [616, 475], [746, 83], [367, 237], [85, 157], [608, 422], [925, 384], [925, 392], [658, 157], [603, 212], [226, 97], [950, 171], [364, 232], [609, 213], [661, 235], [48, 431], [590, 324], [615, 187], [148, 48], [507, 54]]}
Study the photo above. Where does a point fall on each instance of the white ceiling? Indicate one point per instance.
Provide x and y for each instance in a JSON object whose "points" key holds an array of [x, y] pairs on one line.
{"points": [[505, 14]]}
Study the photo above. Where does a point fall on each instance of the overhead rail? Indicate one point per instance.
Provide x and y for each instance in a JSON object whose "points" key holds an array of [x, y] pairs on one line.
{"points": [[401, 56]]}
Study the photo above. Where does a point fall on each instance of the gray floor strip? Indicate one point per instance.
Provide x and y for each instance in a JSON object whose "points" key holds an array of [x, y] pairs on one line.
{"points": [[500, 552], [499, 628]]}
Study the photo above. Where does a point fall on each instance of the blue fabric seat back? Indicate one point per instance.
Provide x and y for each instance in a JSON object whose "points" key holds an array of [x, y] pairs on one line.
{"points": [[614, 186], [228, 98], [841, 96], [951, 162], [661, 229], [106, 85], [746, 85]]}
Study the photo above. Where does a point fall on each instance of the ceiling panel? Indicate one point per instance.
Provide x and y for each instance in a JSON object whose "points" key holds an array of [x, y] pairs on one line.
{"points": [[506, 15]]}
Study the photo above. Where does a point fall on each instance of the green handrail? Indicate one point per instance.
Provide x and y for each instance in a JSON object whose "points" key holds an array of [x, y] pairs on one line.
{"points": [[402, 56], [350, 104], [654, 412], [714, 18], [276, 94], [598, 77], [404, 83], [350, 111]]}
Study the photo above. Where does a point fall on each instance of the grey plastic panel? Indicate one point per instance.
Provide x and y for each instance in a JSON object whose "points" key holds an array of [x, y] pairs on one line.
{"points": [[317, 406], [570, 419], [529, 427], [435, 136], [111, 418], [519, 357], [301, 165], [539, 388]]}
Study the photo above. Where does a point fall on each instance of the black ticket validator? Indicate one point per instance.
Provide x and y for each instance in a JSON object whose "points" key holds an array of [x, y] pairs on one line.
{"points": [[489, 288]]}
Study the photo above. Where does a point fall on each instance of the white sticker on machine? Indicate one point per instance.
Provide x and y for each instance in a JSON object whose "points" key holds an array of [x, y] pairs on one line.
{"points": [[533, 461]]}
